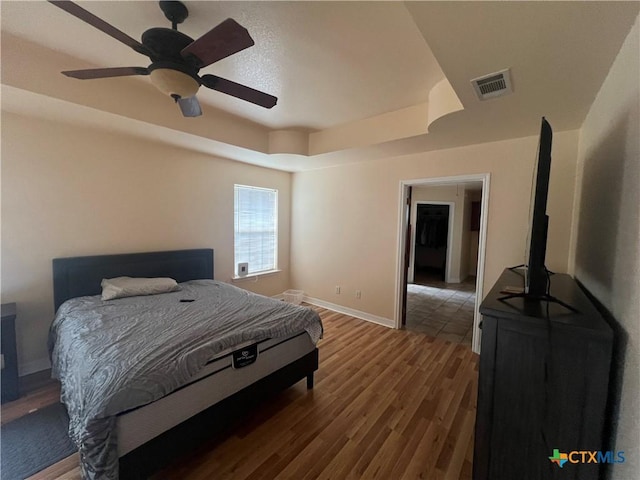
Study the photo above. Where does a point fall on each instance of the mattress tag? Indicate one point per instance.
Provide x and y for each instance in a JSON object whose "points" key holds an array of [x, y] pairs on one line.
{"points": [[245, 356]]}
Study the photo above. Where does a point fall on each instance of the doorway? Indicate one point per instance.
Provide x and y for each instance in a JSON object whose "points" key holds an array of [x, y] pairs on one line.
{"points": [[447, 282], [431, 241]]}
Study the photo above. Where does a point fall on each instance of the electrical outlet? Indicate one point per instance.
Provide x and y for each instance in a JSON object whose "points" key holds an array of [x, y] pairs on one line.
{"points": [[358, 294], [243, 269], [338, 289]]}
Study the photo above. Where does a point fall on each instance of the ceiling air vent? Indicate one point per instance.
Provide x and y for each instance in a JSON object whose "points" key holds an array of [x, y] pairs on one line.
{"points": [[493, 85]]}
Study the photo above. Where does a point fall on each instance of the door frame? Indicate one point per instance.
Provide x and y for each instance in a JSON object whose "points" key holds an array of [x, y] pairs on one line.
{"points": [[412, 256], [403, 219]]}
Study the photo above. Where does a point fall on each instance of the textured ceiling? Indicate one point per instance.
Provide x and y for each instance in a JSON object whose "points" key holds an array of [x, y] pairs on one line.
{"points": [[355, 80], [328, 63]]}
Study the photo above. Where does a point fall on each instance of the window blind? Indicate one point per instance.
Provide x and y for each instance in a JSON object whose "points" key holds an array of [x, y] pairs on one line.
{"points": [[256, 227]]}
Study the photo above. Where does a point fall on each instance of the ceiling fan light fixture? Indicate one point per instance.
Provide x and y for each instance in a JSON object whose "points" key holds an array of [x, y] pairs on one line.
{"points": [[175, 57], [174, 82]]}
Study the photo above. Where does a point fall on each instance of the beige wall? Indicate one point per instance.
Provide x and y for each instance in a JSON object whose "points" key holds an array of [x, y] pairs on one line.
{"points": [[78, 191], [70, 191], [345, 219], [607, 230]]}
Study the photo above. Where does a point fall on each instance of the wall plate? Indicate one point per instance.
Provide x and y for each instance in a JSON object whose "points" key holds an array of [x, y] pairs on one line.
{"points": [[243, 269]]}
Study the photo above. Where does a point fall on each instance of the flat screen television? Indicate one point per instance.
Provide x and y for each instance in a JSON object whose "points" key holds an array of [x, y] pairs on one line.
{"points": [[536, 276]]}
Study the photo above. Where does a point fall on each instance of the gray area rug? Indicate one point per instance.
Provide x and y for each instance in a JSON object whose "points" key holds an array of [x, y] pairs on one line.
{"points": [[35, 441]]}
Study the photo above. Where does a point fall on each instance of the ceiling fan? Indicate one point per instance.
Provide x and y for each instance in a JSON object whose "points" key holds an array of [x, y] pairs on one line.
{"points": [[175, 57]]}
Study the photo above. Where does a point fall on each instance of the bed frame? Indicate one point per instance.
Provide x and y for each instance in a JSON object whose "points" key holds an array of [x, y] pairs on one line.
{"points": [[80, 276]]}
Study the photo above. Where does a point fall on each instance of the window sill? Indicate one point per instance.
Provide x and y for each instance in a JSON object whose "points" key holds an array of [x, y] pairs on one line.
{"points": [[254, 276]]}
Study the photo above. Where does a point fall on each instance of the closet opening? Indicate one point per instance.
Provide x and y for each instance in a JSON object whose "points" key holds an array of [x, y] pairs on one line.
{"points": [[431, 242]]}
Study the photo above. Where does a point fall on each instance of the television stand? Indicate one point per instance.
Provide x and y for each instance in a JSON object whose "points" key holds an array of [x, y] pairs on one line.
{"points": [[536, 298], [543, 383], [545, 297]]}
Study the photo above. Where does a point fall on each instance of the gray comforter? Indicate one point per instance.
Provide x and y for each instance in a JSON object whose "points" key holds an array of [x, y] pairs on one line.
{"points": [[112, 356]]}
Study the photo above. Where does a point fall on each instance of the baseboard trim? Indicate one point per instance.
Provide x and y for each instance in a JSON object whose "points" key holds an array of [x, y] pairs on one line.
{"points": [[369, 317], [33, 381], [34, 366]]}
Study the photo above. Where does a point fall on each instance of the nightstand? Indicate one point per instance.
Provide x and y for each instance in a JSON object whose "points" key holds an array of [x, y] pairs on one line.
{"points": [[9, 354]]}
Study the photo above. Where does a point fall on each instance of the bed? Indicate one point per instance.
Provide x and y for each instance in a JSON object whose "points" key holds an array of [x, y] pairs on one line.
{"points": [[160, 417]]}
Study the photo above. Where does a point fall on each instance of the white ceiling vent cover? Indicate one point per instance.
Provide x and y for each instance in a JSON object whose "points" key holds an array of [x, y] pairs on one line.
{"points": [[493, 85]]}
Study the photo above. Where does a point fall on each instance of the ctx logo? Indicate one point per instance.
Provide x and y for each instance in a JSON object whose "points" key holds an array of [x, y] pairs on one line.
{"points": [[585, 456]]}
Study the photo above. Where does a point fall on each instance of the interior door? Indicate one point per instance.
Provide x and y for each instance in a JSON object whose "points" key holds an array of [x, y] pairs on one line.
{"points": [[407, 257]]}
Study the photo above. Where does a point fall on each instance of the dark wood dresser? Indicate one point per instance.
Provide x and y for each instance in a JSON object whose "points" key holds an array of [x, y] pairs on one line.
{"points": [[9, 354], [543, 384]]}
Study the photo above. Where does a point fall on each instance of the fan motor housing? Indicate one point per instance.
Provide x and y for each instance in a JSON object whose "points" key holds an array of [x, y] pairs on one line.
{"points": [[166, 44]]}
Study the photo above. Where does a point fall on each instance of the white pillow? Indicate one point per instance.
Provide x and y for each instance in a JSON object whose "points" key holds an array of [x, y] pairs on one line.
{"points": [[129, 287]]}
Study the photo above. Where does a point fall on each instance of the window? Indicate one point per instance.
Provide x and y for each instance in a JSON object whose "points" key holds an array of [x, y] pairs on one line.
{"points": [[256, 228]]}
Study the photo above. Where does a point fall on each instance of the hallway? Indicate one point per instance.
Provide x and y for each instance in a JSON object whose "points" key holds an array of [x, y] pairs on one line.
{"points": [[442, 310]]}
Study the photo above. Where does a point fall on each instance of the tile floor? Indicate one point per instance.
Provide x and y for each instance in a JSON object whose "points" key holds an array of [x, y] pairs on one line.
{"points": [[443, 310]]}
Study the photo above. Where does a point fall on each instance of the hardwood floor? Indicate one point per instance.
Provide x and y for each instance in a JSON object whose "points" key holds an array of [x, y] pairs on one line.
{"points": [[387, 404]]}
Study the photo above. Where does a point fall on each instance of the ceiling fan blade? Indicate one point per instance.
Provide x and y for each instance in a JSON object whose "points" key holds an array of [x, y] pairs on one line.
{"points": [[239, 91], [92, 73], [88, 17], [190, 107], [221, 41]]}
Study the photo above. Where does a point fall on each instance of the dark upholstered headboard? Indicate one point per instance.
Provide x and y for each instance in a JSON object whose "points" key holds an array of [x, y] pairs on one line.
{"points": [[80, 276]]}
